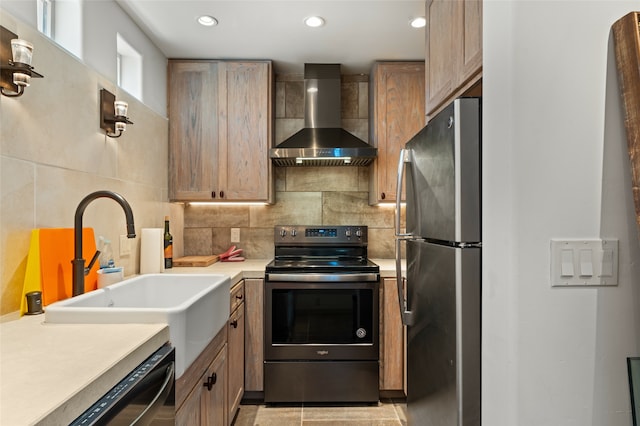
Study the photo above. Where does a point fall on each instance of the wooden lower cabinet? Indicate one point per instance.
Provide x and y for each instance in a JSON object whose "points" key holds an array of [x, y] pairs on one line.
{"points": [[201, 392], [392, 338], [254, 335], [235, 344]]}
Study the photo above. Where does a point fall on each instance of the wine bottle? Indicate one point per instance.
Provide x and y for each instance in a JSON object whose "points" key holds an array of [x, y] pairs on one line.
{"points": [[168, 245]]}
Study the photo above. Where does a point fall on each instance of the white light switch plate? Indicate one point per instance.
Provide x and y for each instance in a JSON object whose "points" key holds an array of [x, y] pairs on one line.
{"points": [[235, 235], [125, 247], [584, 262]]}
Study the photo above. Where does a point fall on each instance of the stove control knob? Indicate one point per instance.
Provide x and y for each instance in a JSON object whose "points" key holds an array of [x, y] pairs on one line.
{"points": [[347, 233], [283, 233], [294, 232], [358, 233], [361, 333]]}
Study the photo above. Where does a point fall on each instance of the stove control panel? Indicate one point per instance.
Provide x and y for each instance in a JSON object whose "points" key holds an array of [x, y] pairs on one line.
{"points": [[320, 234]]}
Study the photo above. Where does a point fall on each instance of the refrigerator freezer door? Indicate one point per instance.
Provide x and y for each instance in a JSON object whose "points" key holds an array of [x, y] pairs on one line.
{"points": [[443, 344], [443, 175]]}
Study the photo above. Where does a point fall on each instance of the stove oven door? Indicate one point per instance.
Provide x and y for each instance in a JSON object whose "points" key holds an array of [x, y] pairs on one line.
{"points": [[321, 321]]}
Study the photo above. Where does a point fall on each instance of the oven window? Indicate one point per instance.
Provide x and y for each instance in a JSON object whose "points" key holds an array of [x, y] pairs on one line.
{"points": [[322, 316]]}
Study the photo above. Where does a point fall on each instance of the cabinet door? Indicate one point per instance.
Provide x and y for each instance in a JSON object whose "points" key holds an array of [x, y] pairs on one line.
{"points": [[392, 350], [471, 41], [453, 51], [193, 129], [236, 360], [441, 34], [213, 404], [189, 412], [398, 114], [254, 335], [245, 114]]}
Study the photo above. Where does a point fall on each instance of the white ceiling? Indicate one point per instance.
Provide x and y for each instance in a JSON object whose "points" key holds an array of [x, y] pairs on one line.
{"points": [[356, 32]]}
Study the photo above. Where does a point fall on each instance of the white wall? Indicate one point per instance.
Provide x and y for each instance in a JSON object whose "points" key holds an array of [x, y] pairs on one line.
{"points": [[101, 21], [555, 166]]}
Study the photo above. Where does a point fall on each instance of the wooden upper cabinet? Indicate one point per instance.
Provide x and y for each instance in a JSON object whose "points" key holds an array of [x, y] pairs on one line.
{"points": [[193, 129], [397, 113], [246, 105], [220, 121], [453, 50], [471, 57]]}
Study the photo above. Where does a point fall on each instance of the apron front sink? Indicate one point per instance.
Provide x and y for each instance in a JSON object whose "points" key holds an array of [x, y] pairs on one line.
{"points": [[196, 308]]}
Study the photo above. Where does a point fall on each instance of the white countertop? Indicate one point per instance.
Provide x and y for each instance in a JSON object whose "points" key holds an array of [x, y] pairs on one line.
{"points": [[51, 373]]}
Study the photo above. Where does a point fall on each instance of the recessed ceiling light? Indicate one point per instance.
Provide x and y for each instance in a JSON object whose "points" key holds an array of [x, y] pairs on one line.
{"points": [[207, 21], [418, 22], [314, 21]]}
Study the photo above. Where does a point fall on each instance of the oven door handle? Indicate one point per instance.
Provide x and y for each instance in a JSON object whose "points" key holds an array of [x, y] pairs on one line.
{"points": [[318, 277]]}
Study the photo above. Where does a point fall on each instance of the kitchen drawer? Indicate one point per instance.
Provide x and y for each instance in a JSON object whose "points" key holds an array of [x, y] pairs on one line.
{"points": [[237, 296]]}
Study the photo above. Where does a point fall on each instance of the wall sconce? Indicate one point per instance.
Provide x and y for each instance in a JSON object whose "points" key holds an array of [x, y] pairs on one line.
{"points": [[113, 114], [15, 64]]}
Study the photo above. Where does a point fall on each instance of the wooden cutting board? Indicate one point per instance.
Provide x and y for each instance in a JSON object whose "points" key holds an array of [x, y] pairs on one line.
{"points": [[196, 260]]}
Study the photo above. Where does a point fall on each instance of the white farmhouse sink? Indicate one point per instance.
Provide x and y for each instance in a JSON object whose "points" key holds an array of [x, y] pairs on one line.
{"points": [[195, 307]]}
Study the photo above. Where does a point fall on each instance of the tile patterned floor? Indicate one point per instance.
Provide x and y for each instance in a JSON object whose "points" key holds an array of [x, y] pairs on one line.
{"points": [[386, 413]]}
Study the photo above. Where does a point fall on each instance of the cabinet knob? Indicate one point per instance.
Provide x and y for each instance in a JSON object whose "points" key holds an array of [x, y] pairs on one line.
{"points": [[211, 380], [234, 323], [221, 194], [383, 195], [213, 194], [239, 296]]}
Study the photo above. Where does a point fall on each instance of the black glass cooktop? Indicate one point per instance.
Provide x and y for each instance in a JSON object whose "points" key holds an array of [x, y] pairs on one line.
{"points": [[334, 265]]}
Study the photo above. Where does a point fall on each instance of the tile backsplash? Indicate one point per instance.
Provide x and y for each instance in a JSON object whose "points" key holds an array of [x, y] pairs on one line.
{"points": [[304, 195]]}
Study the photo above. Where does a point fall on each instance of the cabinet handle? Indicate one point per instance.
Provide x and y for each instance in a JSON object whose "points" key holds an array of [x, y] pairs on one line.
{"points": [[221, 194], [234, 323], [213, 194], [239, 296], [383, 195], [211, 380]]}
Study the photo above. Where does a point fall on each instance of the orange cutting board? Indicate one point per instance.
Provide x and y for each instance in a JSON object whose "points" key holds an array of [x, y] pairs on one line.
{"points": [[196, 260], [56, 253]]}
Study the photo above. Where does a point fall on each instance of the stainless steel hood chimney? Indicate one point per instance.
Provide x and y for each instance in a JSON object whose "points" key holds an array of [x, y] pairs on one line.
{"points": [[323, 142]]}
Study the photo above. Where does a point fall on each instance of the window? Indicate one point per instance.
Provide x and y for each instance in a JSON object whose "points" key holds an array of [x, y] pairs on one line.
{"points": [[119, 70], [44, 15], [129, 68]]}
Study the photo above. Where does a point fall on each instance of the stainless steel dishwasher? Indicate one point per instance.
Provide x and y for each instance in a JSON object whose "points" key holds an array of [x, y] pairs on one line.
{"points": [[146, 396]]}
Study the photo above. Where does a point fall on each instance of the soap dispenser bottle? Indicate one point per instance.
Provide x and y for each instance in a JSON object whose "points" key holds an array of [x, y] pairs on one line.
{"points": [[106, 254]]}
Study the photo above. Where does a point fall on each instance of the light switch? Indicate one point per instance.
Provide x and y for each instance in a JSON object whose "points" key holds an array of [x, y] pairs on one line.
{"points": [[607, 263], [586, 263], [566, 265]]}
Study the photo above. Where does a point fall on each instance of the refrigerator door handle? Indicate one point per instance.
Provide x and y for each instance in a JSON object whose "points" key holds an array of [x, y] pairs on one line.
{"points": [[405, 314], [405, 157]]}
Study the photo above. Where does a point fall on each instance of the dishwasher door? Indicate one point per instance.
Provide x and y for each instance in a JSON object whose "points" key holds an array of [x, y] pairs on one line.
{"points": [[145, 397]]}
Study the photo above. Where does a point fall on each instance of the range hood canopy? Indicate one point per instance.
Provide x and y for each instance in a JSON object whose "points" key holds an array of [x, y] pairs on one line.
{"points": [[322, 142]]}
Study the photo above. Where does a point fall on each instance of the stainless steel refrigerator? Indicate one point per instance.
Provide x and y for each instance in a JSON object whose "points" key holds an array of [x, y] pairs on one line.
{"points": [[440, 296]]}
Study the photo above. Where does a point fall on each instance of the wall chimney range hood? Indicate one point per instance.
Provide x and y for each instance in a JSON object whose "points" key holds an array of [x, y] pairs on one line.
{"points": [[322, 142]]}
